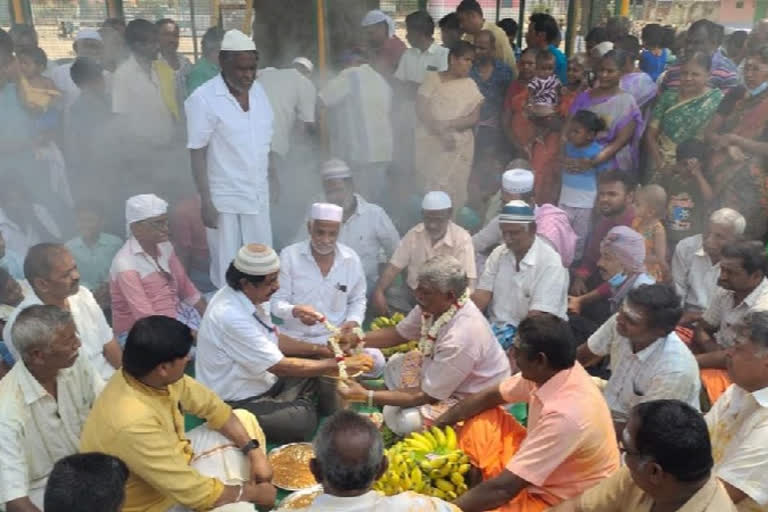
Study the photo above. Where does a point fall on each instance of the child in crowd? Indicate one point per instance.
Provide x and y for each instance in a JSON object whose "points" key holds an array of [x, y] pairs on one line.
{"points": [[544, 93], [579, 189], [653, 58], [689, 192], [37, 92], [651, 208], [11, 295]]}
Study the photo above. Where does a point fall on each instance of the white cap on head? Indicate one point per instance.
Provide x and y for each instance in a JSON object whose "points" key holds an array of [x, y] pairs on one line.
{"points": [[601, 49], [304, 62], [327, 211], [236, 41], [436, 200], [335, 169], [517, 181], [256, 260], [377, 16], [143, 207], [88, 33]]}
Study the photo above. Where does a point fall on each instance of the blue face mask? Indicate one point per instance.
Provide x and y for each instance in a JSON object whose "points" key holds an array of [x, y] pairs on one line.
{"points": [[757, 90], [617, 280]]}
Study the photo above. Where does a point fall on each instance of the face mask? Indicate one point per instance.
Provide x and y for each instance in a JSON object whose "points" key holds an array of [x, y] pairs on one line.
{"points": [[323, 249], [617, 280], [757, 90]]}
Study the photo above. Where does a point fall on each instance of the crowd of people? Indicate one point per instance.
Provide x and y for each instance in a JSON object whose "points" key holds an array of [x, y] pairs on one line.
{"points": [[581, 234]]}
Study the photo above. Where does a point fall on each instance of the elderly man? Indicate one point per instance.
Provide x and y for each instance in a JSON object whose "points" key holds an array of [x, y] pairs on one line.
{"points": [[668, 457], [471, 19], [696, 263], [139, 418], [458, 354], [229, 121], [52, 273], [207, 66], [168, 39], [87, 44], [742, 288], [436, 235], [86, 482], [562, 452], [349, 458], [247, 362], [146, 277], [384, 46], [738, 421], [44, 401], [647, 359], [523, 277]]}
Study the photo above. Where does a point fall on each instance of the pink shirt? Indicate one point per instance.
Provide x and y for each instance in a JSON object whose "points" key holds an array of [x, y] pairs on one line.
{"points": [[466, 357], [571, 442], [188, 231], [141, 286]]}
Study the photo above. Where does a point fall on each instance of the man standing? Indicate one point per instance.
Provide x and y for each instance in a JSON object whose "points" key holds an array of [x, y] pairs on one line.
{"points": [[542, 33], [55, 280], [472, 22], [168, 38], [87, 44], [207, 66], [423, 56], [384, 46], [44, 401], [229, 121]]}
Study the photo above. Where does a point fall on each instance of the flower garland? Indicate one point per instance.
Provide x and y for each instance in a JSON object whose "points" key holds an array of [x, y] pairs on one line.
{"points": [[333, 341], [430, 327]]}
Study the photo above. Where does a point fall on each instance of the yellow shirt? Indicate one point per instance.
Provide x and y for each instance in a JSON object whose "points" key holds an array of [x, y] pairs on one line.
{"points": [[504, 50], [144, 427]]}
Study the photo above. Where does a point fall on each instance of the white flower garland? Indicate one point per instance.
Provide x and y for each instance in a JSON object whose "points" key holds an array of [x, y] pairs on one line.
{"points": [[430, 327], [333, 341]]}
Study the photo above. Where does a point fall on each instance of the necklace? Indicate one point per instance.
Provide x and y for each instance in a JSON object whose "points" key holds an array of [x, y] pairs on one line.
{"points": [[430, 327], [333, 341]]}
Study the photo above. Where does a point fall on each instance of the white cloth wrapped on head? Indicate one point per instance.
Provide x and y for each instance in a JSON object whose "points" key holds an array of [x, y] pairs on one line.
{"points": [[303, 61], [327, 211], [143, 207]]}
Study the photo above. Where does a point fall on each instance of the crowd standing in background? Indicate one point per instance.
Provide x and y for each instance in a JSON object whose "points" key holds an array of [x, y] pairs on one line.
{"points": [[583, 236]]}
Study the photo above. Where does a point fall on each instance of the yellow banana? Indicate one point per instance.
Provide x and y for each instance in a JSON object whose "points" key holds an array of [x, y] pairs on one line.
{"points": [[464, 468], [394, 479], [450, 438], [452, 495], [440, 436], [453, 457], [438, 493], [444, 485], [464, 459], [418, 445], [431, 438], [457, 479], [421, 437], [416, 476], [438, 462]]}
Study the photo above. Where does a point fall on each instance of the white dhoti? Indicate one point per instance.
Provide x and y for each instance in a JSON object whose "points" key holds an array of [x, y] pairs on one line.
{"points": [[234, 231], [217, 457]]}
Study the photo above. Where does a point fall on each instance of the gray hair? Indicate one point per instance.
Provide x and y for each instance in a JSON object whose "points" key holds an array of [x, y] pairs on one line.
{"points": [[35, 327], [445, 273], [339, 471], [757, 323], [730, 218]]}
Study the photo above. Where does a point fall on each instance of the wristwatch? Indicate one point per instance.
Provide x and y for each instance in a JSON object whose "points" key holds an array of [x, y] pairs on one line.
{"points": [[250, 445]]}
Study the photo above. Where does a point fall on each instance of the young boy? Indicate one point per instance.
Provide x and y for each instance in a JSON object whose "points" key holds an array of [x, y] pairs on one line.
{"points": [[37, 92], [653, 58]]}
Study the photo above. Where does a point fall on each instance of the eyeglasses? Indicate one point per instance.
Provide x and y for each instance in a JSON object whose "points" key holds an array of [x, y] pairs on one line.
{"points": [[157, 223]]}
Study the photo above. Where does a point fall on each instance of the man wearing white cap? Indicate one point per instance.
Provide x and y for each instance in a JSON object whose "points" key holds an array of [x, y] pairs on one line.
{"points": [[436, 235], [385, 48], [146, 277], [229, 125], [522, 277], [245, 359], [304, 66], [87, 44]]}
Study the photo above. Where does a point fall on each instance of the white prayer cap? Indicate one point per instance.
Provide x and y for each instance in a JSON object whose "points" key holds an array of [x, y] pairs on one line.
{"points": [[436, 200], [602, 48], [304, 62], [517, 181], [377, 16], [88, 33], [327, 211], [236, 41], [335, 169], [256, 260], [143, 207]]}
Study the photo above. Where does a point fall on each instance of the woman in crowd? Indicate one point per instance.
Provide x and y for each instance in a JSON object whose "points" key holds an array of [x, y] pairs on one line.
{"points": [[620, 112], [738, 134], [448, 107], [681, 114], [577, 82], [633, 80]]}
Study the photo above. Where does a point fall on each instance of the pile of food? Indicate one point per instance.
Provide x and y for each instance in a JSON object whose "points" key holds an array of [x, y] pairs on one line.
{"points": [[290, 466], [382, 322], [428, 463], [300, 499]]}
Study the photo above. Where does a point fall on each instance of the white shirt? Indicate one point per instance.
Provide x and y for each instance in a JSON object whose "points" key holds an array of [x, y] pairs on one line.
{"points": [[373, 501], [727, 316], [92, 328], [292, 95], [360, 102], [664, 369], [541, 284], [19, 239], [238, 144], [339, 295], [235, 347], [738, 428], [414, 63], [69, 90], [36, 429], [694, 274]]}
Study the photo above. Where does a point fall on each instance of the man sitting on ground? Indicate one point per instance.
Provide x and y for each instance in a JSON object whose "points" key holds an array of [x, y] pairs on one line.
{"points": [[458, 354], [11, 296], [349, 458], [139, 418], [246, 361], [44, 401], [563, 452], [86, 482], [647, 359], [668, 466]]}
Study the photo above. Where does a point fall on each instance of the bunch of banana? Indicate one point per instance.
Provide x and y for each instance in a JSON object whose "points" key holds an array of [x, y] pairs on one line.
{"points": [[429, 463], [380, 322]]}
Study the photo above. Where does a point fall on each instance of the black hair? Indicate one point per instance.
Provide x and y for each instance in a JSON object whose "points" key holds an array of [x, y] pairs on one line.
{"points": [[668, 36], [699, 58], [750, 252], [22, 30], [653, 35], [711, 28], [618, 56], [629, 44], [469, 6], [660, 302], [531, 49], [543, 22], [6, 43], [154, 340], [544, 55], [676, 436], [139, 31], [4, 278], [85, 70], [738, 38], [549, 335], [234, 276], [597, 35], [460, 49], [761, 52], [589, 120], [692, 148], [39, 260], [509, 26], [166, 21], [449, 22], [421, 22], [617, 176], [86, 482], [35, 54], [212, 39]]}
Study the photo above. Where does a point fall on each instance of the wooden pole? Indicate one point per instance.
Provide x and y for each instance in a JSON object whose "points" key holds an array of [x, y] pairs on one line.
{"points": [[498, 10], [193, 27], [21, 12], [570, 30], [248, 18], [520, 24], [322, 43]]}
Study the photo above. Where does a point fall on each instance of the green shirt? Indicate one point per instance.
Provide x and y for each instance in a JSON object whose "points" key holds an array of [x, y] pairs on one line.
{"points": [[200, 73], [94, 262]]}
